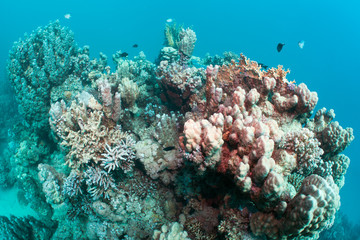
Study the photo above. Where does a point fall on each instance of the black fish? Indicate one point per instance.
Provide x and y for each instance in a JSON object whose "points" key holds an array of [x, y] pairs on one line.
{"points": [[263, 66], [124, 54], [135, 46], [280, 46], [169, 148]]}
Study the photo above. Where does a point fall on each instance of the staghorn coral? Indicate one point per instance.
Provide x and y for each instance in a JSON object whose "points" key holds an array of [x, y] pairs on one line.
{"points": [[121, 156], [98, 182], [111, 101]]}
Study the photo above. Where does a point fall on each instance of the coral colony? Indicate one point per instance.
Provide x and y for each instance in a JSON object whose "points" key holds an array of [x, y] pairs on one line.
{"points": [[187, 148]]}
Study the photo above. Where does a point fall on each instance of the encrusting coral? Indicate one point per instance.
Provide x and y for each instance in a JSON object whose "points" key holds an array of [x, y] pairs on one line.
{"points": [[171, 150]]}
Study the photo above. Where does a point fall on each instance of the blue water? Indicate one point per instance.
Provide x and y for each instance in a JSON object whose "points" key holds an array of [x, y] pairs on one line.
{"points": [[328, 63]]}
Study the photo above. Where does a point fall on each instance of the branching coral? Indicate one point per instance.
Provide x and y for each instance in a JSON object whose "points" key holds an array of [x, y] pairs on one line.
{"points": [[81, 128], [98, 182], [121, 156], [72, 184]]}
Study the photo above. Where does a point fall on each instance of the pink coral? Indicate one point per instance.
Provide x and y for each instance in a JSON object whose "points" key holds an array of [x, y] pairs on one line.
{"points": [[253, 131]]}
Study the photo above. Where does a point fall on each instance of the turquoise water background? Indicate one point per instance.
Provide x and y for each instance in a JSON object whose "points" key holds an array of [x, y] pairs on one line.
{"points": [[329, 63]]}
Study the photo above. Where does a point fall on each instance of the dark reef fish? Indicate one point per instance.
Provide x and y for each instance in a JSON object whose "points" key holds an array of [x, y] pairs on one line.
{"points": [[135, 45], [280, 46], [263, 66], [169, 148], [124, 54]]}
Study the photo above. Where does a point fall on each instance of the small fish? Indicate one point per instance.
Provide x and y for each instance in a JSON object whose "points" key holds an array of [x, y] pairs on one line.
{"points": [[169, 20], [169, 148], [124, 54], [263, 66], [301, 44], [67, 16], [280, 46], [135, 46]]}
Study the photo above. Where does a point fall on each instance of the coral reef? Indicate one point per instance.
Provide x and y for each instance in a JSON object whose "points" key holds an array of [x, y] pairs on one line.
{"points": [[186, 148]]}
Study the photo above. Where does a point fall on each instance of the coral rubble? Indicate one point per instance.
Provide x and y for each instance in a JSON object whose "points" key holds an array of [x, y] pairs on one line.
{"points": [[171, 150]]}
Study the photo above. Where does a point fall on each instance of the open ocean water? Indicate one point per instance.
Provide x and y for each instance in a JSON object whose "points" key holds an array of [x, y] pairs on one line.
{"points": [[328, 63]]}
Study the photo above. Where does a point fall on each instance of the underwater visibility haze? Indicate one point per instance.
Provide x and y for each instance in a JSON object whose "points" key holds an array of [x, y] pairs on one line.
{"points": [[179, 120]]}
